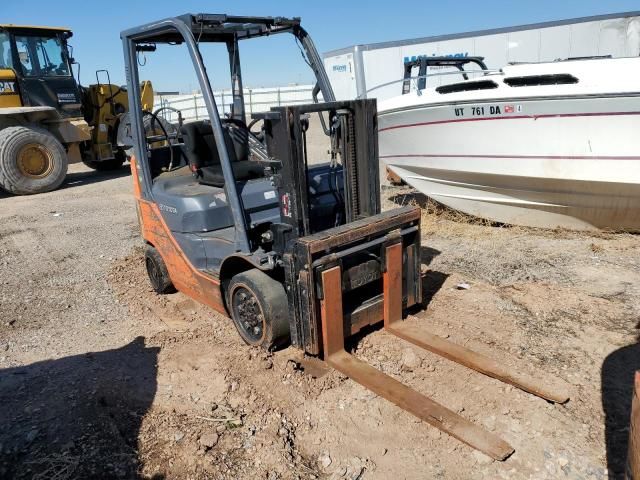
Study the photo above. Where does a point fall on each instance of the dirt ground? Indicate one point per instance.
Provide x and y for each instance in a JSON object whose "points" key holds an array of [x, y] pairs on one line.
{"points": [[101, 378]]}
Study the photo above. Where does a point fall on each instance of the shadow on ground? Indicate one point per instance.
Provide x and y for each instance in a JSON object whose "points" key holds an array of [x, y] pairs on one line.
{"points": [[76, 417], [439, 210], [410, 197], [78, 179], [618, 371], [427, 254], [432, 280]]}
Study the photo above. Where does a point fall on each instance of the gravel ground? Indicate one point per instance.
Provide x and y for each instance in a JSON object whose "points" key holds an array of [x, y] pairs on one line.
{"points": [[101, 378]]}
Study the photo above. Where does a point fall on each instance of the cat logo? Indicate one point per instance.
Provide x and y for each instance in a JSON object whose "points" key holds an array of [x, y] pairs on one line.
{"points": [[7, 88]]}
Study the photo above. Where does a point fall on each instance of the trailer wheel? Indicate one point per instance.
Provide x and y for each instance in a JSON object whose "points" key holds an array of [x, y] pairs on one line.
{"points": [[258, 306], [32, 160], [157, 271]]}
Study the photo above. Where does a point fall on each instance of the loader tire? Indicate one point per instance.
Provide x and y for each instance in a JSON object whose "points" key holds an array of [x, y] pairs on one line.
{"points": [[157, 271], [258, 306], [32, 160]]}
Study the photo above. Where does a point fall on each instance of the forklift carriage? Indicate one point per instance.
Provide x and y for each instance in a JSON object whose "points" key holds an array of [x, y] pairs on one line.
{"points": [[292, 250]]}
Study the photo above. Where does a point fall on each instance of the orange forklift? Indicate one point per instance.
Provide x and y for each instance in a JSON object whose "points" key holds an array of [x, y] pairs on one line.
{"points": [[245, 221]]}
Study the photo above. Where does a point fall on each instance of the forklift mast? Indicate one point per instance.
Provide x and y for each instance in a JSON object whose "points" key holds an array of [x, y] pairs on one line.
{"points": [[354, 237], [354, 140]]}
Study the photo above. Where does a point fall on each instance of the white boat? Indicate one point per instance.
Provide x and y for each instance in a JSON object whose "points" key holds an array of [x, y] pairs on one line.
{"points": [[543, 144]]}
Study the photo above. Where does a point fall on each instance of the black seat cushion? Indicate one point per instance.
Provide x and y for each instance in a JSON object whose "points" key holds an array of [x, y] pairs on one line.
{"points": [[202, 153], [200, 144], [242, 170]]}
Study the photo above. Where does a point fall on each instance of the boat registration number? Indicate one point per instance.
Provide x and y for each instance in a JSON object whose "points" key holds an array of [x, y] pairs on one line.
{"points": [[481, 111]]}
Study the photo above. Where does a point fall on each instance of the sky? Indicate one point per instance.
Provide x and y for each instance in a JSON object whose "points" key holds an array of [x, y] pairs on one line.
{"points": [[332, 24]]}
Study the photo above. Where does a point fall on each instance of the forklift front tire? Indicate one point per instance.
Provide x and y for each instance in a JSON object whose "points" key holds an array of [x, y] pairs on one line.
{"points": [[259, 310], [157, 271]]}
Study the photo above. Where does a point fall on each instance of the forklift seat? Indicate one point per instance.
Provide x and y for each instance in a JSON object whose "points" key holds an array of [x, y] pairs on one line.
{"points": [[204, 160]]}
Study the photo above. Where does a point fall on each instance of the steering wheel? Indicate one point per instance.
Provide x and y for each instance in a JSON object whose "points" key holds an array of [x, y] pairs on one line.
{"points": [[235, 121], [259, 135], [155, 122], [50, 67], [152, 125], [240, 124]]}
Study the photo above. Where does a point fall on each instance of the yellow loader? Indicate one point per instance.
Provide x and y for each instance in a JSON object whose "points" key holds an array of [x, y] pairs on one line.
{"points": [[47, 119]]}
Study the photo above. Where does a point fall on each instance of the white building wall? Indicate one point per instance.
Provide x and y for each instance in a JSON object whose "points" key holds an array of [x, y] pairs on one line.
{"points": [[556, 43], [341, 70]]}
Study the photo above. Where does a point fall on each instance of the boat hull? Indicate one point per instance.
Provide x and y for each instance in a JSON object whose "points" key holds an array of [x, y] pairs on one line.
{"points": [[548, 162]]}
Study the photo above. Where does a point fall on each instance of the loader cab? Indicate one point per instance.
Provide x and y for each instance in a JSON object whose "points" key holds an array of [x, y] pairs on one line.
{"points": [[40, 60]]}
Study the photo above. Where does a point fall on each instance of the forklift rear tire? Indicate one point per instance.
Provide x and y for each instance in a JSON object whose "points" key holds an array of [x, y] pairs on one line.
{"points": [[32, 160], [157, 271], [258, 306]]}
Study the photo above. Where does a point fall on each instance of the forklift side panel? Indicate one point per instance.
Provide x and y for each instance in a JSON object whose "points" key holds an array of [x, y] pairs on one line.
{"points": [[184, 276]]}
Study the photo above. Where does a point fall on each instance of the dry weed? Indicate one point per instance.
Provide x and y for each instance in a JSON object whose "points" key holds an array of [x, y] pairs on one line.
{"points": [[445, 221]]}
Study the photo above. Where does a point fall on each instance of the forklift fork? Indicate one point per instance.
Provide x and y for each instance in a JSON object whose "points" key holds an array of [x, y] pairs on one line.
{"points": [[387, 387]]}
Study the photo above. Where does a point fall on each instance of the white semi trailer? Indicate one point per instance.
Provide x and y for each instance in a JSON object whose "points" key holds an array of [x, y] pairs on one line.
{"points": [[376, 70]]}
